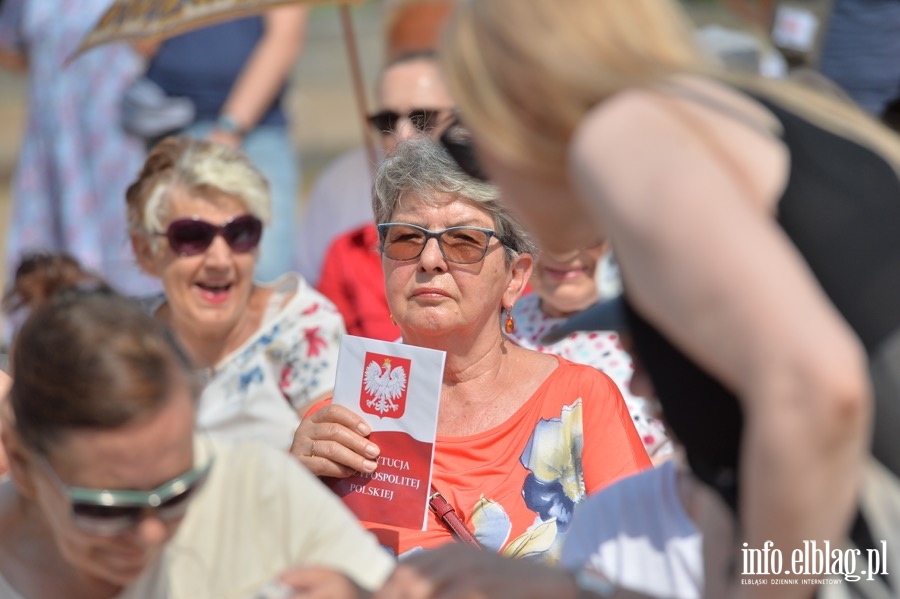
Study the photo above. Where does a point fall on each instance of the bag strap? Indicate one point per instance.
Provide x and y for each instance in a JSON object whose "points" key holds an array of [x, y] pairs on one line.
{"points": [[451, 519]]}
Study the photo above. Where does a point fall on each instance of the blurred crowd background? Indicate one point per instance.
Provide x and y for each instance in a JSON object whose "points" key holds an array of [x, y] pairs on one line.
{"points": [[325, 118]]}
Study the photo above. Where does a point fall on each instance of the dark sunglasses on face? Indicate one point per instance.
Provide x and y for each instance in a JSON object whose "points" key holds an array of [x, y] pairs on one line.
{"points": [[461, 245], [423, 119], [457, 140], [192, 236], [105, 512]]}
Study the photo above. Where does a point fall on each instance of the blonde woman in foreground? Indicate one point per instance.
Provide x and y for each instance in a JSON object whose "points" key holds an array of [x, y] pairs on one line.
{"points": [[755, 223]]}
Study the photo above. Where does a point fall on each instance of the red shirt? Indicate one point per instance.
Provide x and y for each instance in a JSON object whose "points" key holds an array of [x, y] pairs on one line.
{"points": [[353, 280], [517, 484]]}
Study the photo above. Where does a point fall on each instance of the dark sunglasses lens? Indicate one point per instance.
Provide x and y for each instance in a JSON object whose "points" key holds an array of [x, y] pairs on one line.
{"points": [[189, 237], [458, 142], [385, 122], [104, 512], [116, 519], [104, 520], [243, 234]]}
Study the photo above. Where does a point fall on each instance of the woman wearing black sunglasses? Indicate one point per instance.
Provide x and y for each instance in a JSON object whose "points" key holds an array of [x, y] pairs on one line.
{"points": [[522, 436], [112, 494], [196, 214]]}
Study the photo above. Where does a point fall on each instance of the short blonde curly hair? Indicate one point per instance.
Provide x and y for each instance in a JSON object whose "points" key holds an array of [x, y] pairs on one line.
{"points": [[203, 168]]}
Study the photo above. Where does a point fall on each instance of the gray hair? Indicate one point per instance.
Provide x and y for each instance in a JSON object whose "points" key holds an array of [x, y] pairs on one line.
{"points": [[419, 167]]}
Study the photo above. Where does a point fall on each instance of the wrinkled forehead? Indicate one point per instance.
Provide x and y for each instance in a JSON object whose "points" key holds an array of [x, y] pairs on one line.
{"points": [[440, 209]]}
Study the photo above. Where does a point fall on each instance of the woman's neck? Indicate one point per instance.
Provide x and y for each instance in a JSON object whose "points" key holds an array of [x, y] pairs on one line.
{"points": [[552, 312], [477, 367], [486, 379], [207, 348], [469, 354]]}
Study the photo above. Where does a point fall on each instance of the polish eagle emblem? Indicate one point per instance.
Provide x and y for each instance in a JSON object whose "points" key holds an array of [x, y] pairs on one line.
{"points": [[385, 386]]}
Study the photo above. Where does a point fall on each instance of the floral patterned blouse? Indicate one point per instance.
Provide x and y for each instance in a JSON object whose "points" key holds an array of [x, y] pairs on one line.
{"points": [[255, 391], [600, 349], [517, 484]]}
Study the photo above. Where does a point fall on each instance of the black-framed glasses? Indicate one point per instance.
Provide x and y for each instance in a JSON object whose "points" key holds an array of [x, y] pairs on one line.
{"points": [[461, 245], [423, 119], [111, 512], [457, 140], [192, 236]]}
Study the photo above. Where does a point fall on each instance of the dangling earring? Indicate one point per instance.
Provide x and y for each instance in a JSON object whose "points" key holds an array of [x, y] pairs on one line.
{"points": [[393, 322], [510, 325]]}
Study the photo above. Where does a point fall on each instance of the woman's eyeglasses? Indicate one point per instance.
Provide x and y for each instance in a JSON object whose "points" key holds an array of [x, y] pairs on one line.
{"points": [[113, 512], [457, 140], [192, 236], [461, 245], [423, 119]]}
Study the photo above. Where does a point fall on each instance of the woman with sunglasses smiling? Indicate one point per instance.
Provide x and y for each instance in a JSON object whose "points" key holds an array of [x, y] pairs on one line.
{"points": [[111, 493], [522, 436], [196, 214]]}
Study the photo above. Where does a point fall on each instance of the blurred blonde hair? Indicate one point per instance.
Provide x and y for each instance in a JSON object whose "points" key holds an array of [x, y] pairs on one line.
{"points": [[525, 72]]}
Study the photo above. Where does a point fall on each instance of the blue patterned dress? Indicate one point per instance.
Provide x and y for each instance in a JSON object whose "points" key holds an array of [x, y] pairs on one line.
{"points": [[75, 161]]}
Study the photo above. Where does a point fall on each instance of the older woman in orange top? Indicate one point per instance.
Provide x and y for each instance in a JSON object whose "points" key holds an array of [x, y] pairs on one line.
{"points": [[522, 436]]}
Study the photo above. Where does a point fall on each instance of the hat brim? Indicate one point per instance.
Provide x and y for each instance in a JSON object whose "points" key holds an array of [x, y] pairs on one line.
{"points": [[607, 315]]}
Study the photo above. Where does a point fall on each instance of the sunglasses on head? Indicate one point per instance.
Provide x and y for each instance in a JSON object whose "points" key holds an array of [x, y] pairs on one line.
{"points": [[192, 236], [423, 119], [105, 512], [457, 140]]}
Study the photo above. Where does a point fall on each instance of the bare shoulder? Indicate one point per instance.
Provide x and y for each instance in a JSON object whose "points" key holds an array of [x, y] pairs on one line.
{"points": [[643, 142], [686, 103]]}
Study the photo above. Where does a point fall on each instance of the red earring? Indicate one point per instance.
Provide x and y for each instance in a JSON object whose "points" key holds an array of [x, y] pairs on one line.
{"points": [[510, 325]]}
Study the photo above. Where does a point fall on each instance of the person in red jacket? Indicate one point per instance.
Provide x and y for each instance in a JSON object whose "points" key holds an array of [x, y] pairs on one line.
{"points": [[412, 100]]}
